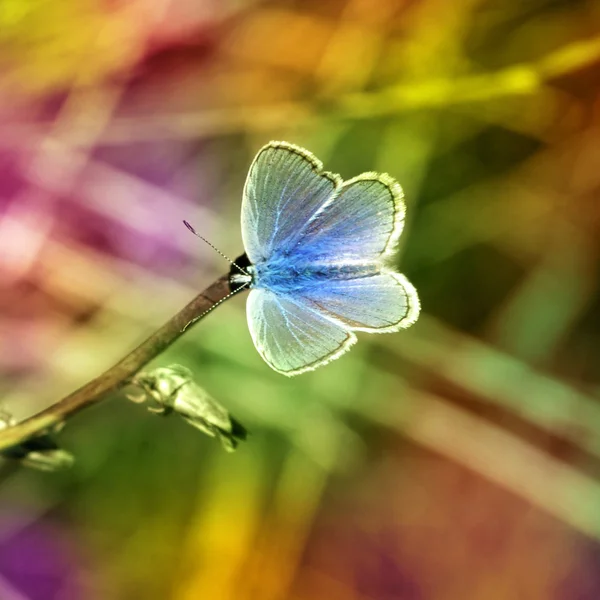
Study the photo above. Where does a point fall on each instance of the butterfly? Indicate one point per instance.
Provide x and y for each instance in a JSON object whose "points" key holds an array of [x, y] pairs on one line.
{"points": [[317, 259]]}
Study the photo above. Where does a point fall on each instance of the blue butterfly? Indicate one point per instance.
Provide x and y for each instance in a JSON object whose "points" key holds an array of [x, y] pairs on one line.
{"points": [[317, 249]]}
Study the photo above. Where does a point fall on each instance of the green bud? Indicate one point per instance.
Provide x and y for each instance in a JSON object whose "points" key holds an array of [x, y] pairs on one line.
{"points": [[173, 389]]}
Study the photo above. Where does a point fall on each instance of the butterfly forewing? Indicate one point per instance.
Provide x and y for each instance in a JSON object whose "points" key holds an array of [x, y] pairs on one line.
{"points": [[285, 187], [292, 337]]}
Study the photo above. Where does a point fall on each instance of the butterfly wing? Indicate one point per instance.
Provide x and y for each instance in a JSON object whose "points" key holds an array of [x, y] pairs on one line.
{"points": [[285, 186], [378, 303], [291, 336], [360, 224]]}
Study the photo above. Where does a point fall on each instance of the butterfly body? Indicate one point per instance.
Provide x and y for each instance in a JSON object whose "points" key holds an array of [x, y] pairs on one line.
{"points": [[287, 276], [318, 259]]}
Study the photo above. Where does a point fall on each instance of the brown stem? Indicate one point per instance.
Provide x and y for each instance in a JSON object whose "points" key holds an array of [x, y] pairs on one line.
{"points": [[119, 375]]}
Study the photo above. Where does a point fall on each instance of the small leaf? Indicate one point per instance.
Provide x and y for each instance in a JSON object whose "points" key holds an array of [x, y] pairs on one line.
{"points": [[40, 451]]}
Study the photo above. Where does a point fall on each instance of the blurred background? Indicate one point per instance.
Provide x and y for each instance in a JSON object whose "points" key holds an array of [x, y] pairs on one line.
{"points": [[457, 460]]}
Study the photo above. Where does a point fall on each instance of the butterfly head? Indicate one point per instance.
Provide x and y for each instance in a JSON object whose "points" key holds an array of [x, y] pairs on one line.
{"points": [[241, 273]]}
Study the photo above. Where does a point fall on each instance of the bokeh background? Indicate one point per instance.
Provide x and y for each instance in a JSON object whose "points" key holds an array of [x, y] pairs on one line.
{"points": [[459, 460]]}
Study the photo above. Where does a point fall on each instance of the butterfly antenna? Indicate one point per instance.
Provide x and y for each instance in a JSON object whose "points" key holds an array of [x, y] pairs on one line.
{"points": [[215, 249], [217, 303]]}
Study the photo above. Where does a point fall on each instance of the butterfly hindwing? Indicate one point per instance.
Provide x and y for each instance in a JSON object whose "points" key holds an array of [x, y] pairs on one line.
{"points": [[291, 336], [378, 303], [361, 223], [285, 186]]}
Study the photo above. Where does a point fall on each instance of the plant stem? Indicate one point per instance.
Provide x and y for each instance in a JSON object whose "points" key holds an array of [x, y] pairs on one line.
{"points": [[120, 374]]}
